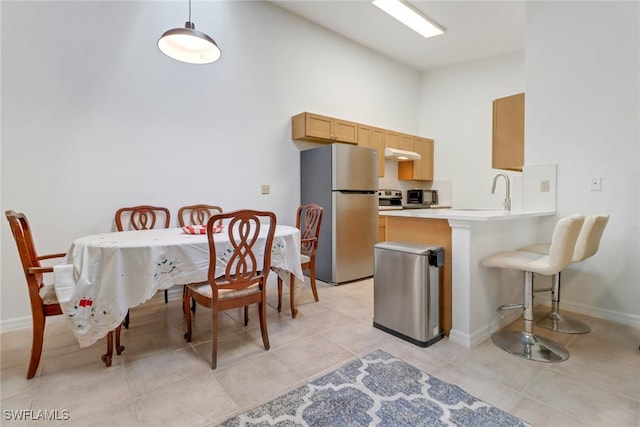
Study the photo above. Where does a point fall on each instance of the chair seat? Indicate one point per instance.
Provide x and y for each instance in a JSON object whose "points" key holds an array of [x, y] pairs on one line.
{"points": [[48, 295], [205, 290], [523, 261], [539, 248], [304, 259]]}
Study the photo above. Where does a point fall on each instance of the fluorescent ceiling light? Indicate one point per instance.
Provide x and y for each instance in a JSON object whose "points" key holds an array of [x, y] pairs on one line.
{"points": [[409, 17]]}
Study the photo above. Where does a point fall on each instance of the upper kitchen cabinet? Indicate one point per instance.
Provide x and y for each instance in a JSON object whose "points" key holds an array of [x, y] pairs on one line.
{"points": [[508, 133], [418, 170], [317, 128], [401, 141], [372, 137]]}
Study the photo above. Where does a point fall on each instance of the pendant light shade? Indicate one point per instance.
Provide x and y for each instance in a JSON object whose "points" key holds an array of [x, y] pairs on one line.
{"points": [[189, 45]]}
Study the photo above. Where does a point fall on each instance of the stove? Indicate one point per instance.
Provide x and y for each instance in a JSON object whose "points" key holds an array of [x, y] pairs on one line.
{"points": [[389, 200]]}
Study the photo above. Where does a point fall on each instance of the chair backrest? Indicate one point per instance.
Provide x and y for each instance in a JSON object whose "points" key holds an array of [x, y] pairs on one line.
{"points": [[250, 261], [143, 217], [308, 220], [197, 214], [563, 241], [590, 236], [28, 256]]}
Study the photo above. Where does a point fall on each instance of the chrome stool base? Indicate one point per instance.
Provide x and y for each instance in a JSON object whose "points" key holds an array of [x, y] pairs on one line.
{"points": [[559, 323], [529, 346]]}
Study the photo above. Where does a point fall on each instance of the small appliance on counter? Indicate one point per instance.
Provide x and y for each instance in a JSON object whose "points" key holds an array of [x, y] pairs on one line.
{"points": [[389, 200], [421, 199]]}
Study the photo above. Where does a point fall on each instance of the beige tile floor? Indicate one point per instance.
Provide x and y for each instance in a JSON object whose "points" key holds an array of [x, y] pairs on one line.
{"points": [[160, 380]]}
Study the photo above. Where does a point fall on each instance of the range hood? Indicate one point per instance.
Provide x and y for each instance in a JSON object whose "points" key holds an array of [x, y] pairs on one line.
{"points": [[400, 155]]}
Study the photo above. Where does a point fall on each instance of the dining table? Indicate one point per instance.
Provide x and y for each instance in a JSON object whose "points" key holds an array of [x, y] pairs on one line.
{"points": [[104, 275]]}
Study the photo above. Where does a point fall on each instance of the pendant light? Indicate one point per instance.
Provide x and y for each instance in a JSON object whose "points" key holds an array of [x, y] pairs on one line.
{"points": [[189, 45]]}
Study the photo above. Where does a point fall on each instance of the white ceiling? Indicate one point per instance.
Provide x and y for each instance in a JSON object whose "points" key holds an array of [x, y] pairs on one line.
{"points": [[475, 29]]}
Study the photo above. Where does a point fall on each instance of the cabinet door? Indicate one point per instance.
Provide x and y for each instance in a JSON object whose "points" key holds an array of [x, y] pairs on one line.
{"points": [[508, 133], [382, 228], [423, 168], [406, 142], [372, 137], [392, 139], [418, 170], [317, 126], [345, 131]]}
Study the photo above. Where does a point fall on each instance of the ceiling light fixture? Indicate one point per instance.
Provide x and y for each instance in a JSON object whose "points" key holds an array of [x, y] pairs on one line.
{"points": [[410, 17], [189, 45]]}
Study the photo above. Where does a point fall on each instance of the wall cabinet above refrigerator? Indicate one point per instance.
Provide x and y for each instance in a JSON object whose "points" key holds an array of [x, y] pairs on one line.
{"points": [[316, 128]]}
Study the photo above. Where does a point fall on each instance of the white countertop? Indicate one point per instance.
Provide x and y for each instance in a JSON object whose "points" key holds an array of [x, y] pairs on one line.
{"points": [[467, 214]]}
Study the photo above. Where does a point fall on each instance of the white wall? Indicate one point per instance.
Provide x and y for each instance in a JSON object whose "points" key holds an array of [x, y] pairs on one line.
{"points": [[583, 113], [95, 117], [456, 111]]}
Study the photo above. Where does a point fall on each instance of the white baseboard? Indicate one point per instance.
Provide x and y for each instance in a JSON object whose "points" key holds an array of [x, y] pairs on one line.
{"points": [[600, 313]]}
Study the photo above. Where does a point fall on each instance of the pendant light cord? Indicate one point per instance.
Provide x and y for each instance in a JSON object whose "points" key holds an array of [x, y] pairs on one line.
{"points": [[189, 10]]}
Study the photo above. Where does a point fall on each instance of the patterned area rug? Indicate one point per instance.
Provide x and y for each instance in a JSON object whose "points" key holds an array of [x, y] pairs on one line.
{"points": [[377, 390]]}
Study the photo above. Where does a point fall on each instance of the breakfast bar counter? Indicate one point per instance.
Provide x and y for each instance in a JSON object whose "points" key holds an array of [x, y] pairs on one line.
{"points": [[469, 293]]}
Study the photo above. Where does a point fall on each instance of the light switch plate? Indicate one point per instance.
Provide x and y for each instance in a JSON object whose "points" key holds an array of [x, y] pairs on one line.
{"points": [[595, 184], [265, 189], [544, 186]]}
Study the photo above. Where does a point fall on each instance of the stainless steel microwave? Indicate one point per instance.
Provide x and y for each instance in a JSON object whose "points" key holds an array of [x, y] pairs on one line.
{"points": [[422, 197]]}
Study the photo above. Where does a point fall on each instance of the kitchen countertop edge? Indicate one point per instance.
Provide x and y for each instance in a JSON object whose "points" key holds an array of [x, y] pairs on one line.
{"points": [[466, 214]]}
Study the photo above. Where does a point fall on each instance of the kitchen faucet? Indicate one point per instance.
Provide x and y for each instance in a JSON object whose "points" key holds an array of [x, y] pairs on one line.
{"points": [[507, 199]]}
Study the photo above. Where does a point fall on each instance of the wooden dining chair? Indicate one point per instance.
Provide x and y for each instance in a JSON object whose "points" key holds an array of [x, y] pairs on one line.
{"points": [[308, 220], [244, 281], [44, 302], [196, 215], [142, 217]]}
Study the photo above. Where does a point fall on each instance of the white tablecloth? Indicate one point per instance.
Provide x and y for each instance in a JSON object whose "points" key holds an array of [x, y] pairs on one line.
{"points": [[104, 275]]}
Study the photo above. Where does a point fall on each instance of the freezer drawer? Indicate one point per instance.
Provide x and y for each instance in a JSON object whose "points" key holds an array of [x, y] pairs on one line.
{"points": [[406, 291]]}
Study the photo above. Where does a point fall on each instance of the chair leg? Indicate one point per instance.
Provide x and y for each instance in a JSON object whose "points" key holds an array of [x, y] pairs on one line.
{"points": [[554, 320], [193, 302], [524, 343], [186, 295], [312, 279], [246, 315], [279, 294], [166, 296], [126, 321], [36, 345], [262, 313], [214, 336], [292, 296]]}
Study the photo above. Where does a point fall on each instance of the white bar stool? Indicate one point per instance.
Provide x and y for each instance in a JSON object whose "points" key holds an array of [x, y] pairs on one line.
{"points": [[524, 343], [586, 246]]}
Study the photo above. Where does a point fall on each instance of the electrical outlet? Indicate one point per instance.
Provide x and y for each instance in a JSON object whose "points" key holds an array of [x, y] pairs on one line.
{"points": [[544, 186], [265, 189], [595, 184]]}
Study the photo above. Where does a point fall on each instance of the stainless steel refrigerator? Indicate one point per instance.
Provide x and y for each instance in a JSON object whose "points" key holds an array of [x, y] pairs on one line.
{"points": [[343, 179]]}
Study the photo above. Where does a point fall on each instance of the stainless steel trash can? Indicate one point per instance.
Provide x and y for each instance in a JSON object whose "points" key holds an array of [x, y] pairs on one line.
{"points": [[406, 289]]}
